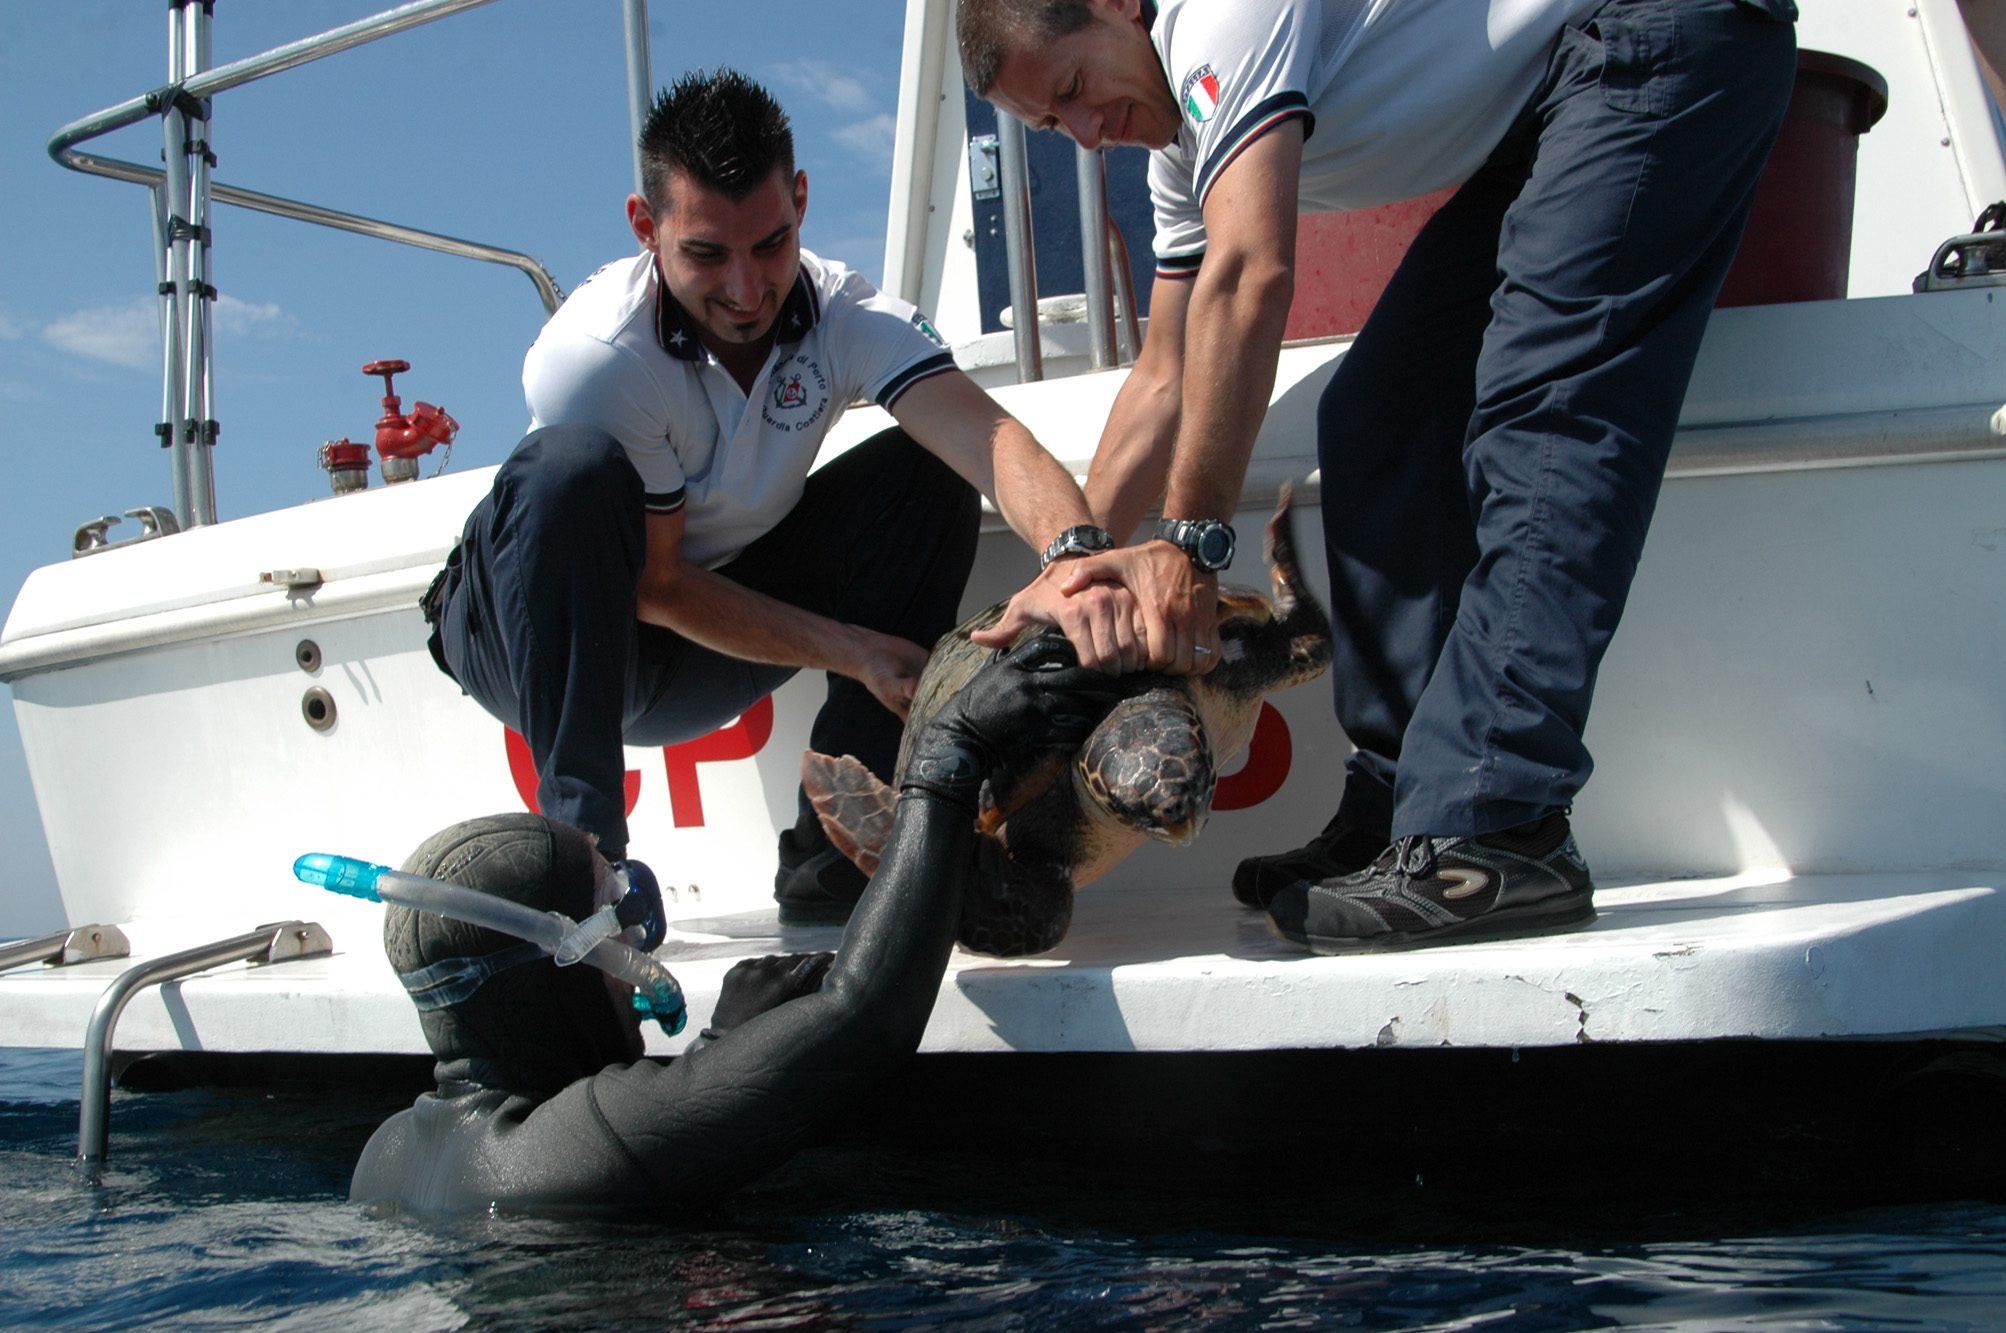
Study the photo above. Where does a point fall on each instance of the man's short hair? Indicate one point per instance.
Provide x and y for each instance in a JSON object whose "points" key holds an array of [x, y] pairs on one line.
{"points": [[990, 29], [720, 129]]}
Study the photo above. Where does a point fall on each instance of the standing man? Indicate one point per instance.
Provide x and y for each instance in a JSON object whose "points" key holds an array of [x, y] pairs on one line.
{"points": [[654, 557], [1492, 444]]}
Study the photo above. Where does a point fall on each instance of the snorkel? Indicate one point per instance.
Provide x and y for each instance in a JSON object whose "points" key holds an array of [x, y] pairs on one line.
{"points": [[598, 940]]}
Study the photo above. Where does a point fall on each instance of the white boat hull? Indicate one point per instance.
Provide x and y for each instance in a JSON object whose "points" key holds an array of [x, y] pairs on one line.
{"points": [[1795, 817]]}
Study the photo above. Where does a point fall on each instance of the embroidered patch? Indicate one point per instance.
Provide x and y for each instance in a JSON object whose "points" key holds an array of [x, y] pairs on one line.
{"points": [[797, 395], [1201, 94], [919, 322]]}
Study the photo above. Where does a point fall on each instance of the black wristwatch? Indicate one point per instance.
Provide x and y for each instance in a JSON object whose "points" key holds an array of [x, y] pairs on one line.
{"points": [[1207, 541], [1085, 539]]}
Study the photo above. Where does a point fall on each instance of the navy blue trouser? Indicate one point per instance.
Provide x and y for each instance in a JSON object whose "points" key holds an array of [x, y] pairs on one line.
{"points": [[537, 619], [1493, 443]]}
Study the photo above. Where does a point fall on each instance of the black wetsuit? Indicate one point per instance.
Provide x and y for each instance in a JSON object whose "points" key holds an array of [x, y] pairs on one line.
{"points": [[663, 1136]]}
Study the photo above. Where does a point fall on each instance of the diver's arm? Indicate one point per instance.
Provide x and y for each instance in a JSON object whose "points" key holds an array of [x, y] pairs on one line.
{"points": [[723, 1114]]}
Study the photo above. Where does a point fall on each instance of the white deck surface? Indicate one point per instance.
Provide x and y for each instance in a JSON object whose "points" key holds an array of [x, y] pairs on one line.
{"points": [[1187, 969]]}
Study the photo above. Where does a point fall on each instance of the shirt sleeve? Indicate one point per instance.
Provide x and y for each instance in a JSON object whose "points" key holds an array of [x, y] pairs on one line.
{"points": [[886, 345], [1179, 243], [1239, 71], [572, 380]]}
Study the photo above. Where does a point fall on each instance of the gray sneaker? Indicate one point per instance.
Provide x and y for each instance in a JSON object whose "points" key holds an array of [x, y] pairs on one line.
{"points": [[1422, 891]]}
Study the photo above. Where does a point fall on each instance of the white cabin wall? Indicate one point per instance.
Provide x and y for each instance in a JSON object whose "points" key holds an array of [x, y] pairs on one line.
{"points": [[951, 295], [930, 179], [1934, 160], [1975, 125]]}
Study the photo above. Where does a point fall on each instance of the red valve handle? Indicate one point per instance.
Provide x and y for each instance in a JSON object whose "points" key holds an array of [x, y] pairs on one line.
{"points": [[392, 408]]}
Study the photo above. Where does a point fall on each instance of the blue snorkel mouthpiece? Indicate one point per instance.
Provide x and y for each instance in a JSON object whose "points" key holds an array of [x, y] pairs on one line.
{"points": [[642, 905], [596, 941]]}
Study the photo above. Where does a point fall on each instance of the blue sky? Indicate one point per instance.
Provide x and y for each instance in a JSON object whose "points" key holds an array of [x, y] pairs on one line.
{"points": [[506, 125]]}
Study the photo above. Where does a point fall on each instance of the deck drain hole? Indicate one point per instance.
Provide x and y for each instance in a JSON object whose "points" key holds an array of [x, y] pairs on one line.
{"points": [[307, 655], [317, 706]]}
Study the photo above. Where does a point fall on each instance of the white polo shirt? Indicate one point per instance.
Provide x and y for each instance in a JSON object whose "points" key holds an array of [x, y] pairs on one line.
{"points": [[622, 355], [1398, 97]]}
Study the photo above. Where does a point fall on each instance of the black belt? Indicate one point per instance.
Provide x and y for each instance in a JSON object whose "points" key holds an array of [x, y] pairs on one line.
{"points": [[433, 604]]}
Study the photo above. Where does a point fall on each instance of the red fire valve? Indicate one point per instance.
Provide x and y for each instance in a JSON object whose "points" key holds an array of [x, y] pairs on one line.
{"points": [[401, 440]]}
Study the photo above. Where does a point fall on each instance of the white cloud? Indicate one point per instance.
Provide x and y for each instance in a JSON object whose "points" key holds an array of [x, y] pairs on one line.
{"points": [[123, 335], [870, 139], [253, 319], [129, 334], [826, 83]]}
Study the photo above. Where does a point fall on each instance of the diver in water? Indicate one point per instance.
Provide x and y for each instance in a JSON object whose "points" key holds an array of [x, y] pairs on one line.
{"points": [[543, 1100]]}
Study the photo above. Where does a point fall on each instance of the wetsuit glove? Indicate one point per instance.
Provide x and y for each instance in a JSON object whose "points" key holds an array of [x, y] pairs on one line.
{"points": [[754, 985], [1032, 704]]}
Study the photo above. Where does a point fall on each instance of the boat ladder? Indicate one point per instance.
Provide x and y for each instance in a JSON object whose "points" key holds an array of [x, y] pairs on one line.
{"points": [[268, 944]]}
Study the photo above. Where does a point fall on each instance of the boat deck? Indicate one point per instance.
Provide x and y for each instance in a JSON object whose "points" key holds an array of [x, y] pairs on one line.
{"points": [[1175, 969]]}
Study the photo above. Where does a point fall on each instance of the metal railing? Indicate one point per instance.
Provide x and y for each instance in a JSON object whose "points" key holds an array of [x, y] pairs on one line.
{"points": [[183, 192], [1020, 250], [1113, 331], [274, 943]]}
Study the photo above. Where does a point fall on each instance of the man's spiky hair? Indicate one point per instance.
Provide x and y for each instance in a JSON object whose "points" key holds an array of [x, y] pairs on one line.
{"points": [[720, 129], [990, 29]]}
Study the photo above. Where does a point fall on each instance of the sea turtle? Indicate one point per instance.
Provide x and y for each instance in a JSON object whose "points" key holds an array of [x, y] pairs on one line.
{"points": [[1148, 770]]}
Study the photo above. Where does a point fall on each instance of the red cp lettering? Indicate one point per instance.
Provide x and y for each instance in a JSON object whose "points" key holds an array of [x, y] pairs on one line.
{"points": [[1269, 755], [522, 768], [740, 740]]}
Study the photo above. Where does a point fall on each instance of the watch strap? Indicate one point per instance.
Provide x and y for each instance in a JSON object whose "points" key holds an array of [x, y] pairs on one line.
{"points": [[1080, 539], [1208, 542]]}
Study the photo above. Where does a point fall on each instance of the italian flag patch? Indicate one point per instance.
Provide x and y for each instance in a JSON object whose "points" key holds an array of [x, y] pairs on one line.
{"points": [[1201, 94]]}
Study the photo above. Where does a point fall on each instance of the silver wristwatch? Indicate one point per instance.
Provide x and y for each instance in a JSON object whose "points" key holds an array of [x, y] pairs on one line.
{"points": [[1083, 539], [1207, 541]]}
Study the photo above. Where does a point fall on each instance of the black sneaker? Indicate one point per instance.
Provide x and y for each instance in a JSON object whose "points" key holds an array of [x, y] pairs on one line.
{"points": [[1343, 848], [1523, 881], [816, 885]]}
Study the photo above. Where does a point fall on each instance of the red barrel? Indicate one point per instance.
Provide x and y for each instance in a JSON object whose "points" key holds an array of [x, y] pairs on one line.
{"points": [[1799, 243]]}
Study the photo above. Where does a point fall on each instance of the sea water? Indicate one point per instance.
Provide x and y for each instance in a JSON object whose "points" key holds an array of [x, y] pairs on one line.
{"points": [[227, 1207]]}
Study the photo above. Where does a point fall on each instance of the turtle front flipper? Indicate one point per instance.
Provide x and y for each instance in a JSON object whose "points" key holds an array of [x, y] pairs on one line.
{"points": [[855, 807], [1149, 765]]}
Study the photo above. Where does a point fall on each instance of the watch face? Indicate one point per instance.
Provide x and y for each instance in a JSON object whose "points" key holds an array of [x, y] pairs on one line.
{"points": [[1215, 546]]}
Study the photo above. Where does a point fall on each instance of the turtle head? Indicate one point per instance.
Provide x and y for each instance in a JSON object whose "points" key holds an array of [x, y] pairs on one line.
{"points": [[1149, 765]]}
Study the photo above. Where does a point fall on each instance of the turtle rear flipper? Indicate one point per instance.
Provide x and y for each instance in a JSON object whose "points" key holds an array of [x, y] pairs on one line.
{"points": [[1014, 907], [1294, 645], [855, 807]]}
